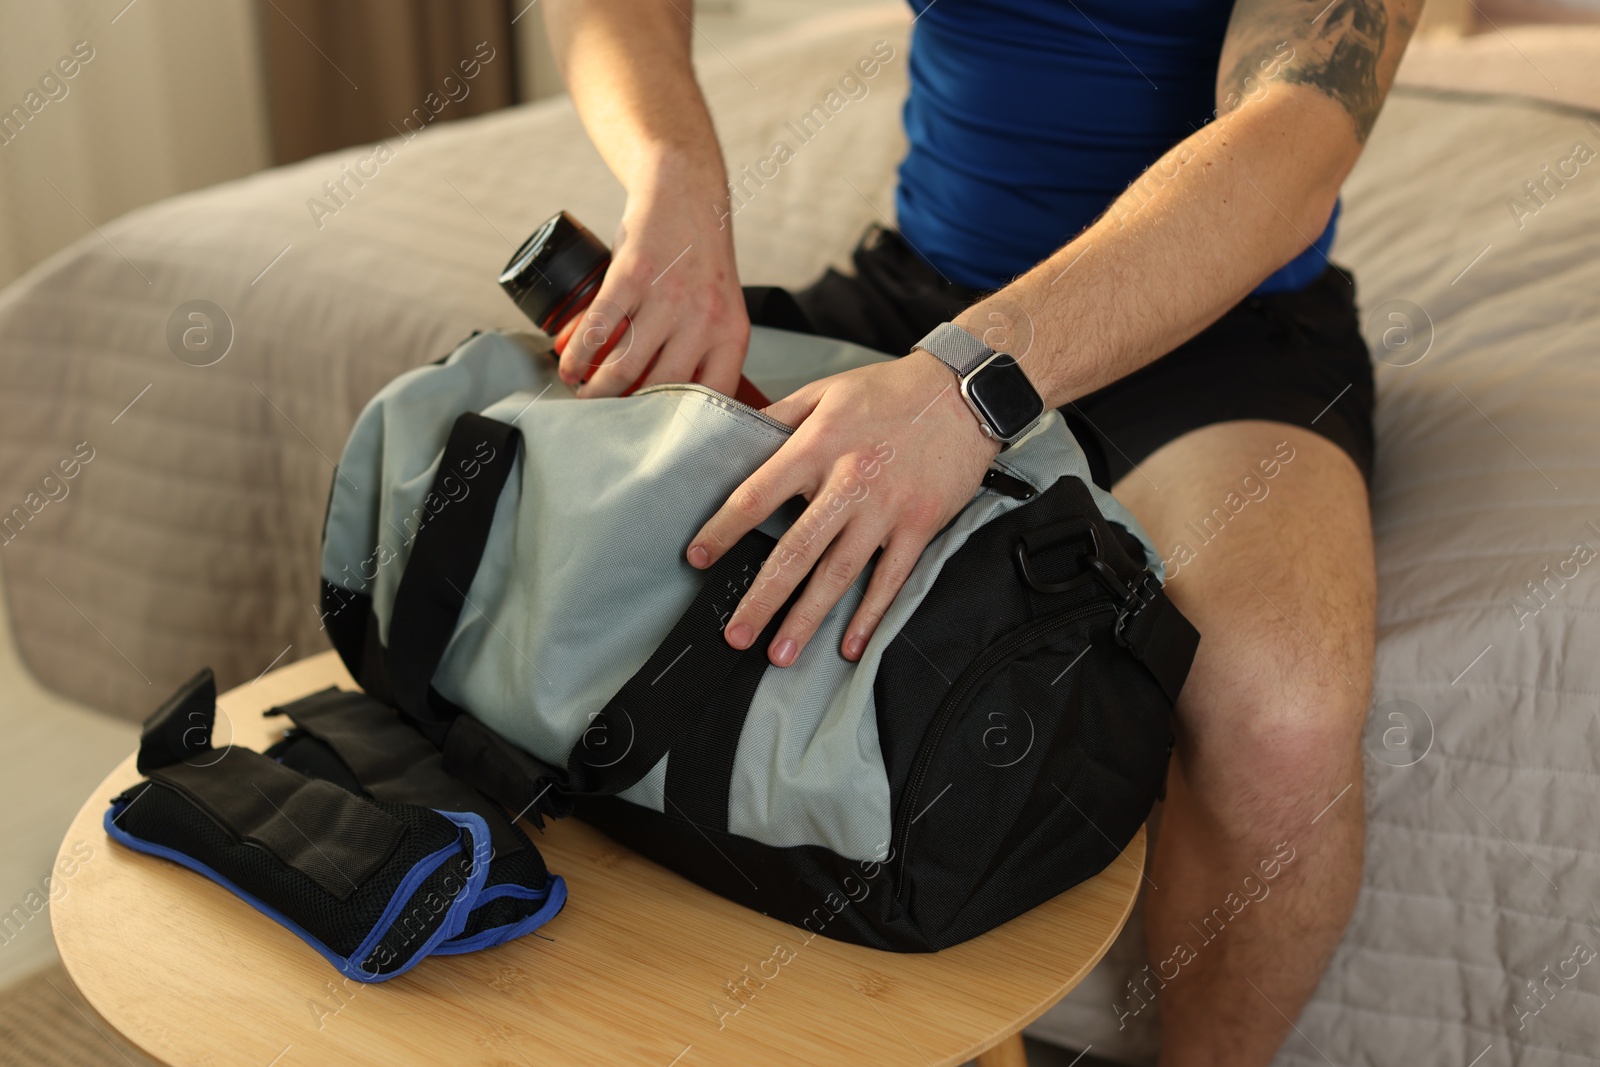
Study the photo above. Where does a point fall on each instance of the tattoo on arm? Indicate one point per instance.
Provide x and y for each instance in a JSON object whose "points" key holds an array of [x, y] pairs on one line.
{"points": [[1348, 49]]}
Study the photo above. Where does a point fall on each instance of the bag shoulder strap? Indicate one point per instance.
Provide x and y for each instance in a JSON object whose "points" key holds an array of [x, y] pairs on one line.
{"points": [[1156, 632], [445, 554], [690, 699]]}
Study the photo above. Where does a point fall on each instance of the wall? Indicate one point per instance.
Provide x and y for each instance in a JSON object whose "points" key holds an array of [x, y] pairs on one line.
{"points": [[170, 101]]}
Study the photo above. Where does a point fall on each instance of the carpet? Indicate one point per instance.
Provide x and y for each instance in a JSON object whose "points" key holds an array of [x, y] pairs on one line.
{"points": [[45, 1022]]}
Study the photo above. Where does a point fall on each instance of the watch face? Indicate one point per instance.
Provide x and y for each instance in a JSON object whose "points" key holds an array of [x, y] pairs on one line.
{"points": [[1004, 396]]}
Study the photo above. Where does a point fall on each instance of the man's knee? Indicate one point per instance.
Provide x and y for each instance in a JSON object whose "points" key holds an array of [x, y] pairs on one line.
{"points": [[1267, 752]]}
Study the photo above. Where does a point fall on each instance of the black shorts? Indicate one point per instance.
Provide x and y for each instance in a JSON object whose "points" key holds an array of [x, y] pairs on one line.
{"points": [[1293, 357]]}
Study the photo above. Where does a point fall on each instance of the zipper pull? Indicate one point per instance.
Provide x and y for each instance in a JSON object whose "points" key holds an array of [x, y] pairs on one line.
{"points": [[1003, 483]]}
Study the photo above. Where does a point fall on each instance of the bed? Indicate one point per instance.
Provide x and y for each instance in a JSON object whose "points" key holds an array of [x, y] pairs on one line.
{"points": [[187, 533]]}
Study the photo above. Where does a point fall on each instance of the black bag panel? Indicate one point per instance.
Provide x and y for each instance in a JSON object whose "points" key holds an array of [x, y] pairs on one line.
{"points": [[991, 721], [809, 887], [979, 598], [346, 616], [1050, 771], [991, 768], [1038, 861]]}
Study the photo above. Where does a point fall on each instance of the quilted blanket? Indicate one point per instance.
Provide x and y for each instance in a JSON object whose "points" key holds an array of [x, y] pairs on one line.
{"points": [[172, 388]]}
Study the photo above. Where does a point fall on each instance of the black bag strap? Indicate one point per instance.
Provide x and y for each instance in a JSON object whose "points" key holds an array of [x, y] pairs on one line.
{"points": [[445, 555], [690, 699], [512, 776], [1148, 623], [1157, 633], [700, 764], [668, 697]]}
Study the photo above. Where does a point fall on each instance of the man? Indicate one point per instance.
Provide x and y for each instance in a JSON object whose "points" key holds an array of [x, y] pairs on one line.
{"points": [[1137, 200]]}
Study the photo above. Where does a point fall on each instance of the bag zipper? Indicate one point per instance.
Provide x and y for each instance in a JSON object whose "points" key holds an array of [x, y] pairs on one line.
{"points": [[721, 398], [994, 479], [955, 699], [1005, 484]]}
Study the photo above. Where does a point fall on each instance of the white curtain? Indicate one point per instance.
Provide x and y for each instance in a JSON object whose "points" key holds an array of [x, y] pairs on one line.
{"points": [[169, 99]]}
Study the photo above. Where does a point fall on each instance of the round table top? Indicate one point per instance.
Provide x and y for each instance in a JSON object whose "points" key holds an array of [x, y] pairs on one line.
{"points": [[639, 968]]}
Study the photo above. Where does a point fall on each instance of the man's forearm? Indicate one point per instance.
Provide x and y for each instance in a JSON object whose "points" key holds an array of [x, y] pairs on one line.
{"points": [[628, 66], [1200, 229], [1300, 83]]}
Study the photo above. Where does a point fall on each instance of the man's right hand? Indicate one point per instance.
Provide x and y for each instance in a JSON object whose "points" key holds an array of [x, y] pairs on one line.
{"points": [[672, 286], [628, 66]]}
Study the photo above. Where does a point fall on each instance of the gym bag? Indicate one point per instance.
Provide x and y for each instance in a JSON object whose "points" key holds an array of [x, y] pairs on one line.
{"points": [[506, 567]]}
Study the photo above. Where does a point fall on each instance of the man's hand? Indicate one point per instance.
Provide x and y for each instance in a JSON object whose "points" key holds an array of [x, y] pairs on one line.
{"points": [[673, 287], [886, 455]]}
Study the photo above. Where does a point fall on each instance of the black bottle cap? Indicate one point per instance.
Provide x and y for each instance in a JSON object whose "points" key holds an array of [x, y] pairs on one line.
{"points": [[550, 265]]}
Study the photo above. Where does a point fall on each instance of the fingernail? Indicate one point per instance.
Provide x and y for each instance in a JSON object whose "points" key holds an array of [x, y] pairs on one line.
{"points": [[698, 557], [853, 646], [783, 652], [740, 636]]}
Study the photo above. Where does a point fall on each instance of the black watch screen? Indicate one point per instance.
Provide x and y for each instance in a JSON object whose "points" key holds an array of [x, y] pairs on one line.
{"points": [[1003, 395]]}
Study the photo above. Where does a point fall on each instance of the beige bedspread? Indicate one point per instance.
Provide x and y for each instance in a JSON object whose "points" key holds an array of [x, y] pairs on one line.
{"points": [[188, 533]]}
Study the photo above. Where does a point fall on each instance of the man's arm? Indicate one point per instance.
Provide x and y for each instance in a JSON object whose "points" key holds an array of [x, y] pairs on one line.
{"points": [[1299, 85], [627, 64], [1298, 88]]}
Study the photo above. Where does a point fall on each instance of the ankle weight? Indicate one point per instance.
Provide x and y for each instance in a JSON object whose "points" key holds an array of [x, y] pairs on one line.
{"points": [[361, 745], [373, 879]]}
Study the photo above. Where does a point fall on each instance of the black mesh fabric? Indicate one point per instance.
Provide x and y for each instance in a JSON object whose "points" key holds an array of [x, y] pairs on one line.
{"points": [[525, 868], [158, 814], [496, 914]]}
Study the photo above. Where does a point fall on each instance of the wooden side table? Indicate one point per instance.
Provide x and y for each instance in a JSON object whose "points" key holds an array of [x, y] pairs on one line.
{"points": [[641, 968]]}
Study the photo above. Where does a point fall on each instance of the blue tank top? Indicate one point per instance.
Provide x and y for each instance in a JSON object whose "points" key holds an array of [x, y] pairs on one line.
{"points": [[1026, 118]]}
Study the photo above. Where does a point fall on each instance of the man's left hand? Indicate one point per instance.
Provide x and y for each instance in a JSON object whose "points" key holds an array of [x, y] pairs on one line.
{"points": [[885, 455]]}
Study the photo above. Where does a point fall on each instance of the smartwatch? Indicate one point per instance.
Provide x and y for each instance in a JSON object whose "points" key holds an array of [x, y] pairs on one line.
{"points": [[992, 383]]}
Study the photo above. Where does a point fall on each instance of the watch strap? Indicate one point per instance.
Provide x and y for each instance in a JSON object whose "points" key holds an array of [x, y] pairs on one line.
{"points": [[955, 348]]}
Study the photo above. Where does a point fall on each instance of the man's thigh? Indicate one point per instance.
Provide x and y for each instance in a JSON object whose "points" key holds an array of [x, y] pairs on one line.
{"points": [[1269, 541]]}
